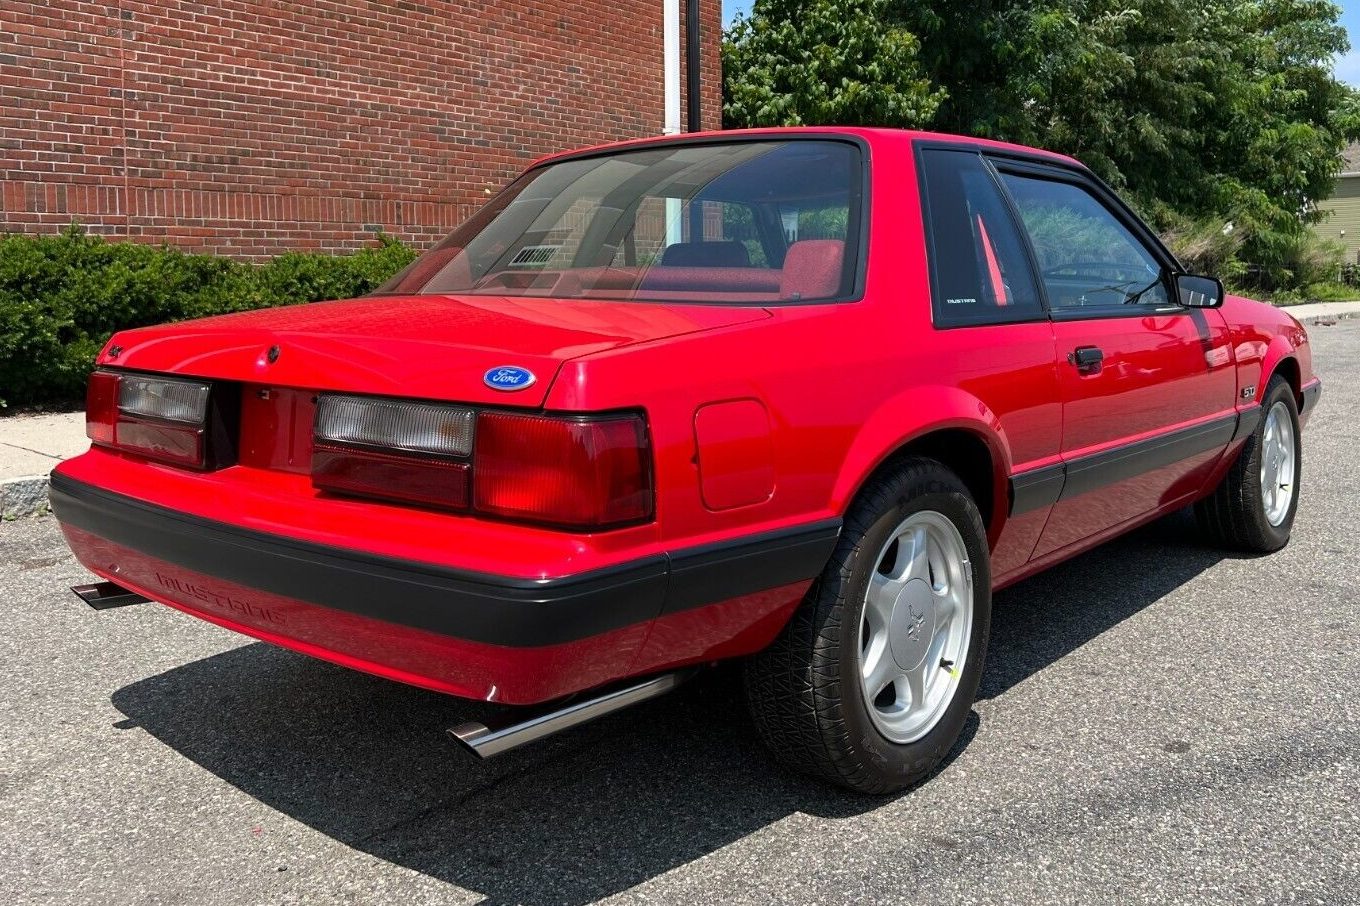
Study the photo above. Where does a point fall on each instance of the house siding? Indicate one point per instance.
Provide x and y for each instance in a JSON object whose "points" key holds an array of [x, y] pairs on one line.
{"points": [[1343, 215]]}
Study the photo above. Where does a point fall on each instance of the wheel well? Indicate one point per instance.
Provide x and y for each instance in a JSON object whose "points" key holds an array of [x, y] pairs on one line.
{"points": [[963, 453], [1288, 368]]}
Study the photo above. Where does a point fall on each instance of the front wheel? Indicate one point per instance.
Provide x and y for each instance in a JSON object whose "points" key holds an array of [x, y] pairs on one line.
{"points": [[871, 682], [1253, 507]]}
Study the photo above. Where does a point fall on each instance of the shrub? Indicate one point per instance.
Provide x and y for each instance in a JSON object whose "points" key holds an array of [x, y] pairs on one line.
{"points": [[1207, 246], [1253, 251], [62, 296], [297, 277]]}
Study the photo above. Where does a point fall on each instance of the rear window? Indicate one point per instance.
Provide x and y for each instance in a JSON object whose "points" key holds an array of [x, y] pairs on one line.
{"points": [[752, 221]]}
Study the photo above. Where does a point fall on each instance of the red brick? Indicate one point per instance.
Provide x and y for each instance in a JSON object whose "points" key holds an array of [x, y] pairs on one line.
{"points": [[254, 126]]}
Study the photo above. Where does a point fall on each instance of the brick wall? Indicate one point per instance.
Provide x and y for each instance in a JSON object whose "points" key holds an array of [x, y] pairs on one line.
{"points": [[249, 127]]}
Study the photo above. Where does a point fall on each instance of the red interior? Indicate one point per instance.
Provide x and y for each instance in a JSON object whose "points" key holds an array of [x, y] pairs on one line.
{"points": [[688, 271]]}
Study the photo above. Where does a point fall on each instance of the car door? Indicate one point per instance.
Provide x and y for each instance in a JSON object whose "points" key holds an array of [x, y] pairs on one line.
{"points": [[1147, 385], [992, 334]]}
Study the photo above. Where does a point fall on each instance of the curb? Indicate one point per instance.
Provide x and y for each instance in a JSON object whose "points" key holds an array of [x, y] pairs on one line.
{"points": [[23, 497], [1327, 319]]}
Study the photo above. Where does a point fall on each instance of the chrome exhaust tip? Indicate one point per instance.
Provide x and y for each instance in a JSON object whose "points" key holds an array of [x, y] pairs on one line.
{"points": [[105, 595], [519, 727]]}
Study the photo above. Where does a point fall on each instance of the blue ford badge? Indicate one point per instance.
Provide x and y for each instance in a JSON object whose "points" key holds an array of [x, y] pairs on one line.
{"points": [[508, 377]]}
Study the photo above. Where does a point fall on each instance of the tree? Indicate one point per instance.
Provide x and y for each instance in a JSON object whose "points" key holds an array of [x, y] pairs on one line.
{"points": [[824, 63], [1196, 110], [1197, 106]]}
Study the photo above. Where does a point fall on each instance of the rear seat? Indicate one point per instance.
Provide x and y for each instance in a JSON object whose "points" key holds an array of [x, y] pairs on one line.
{"points": [[812, 270], [724, 253], [712, 279]]}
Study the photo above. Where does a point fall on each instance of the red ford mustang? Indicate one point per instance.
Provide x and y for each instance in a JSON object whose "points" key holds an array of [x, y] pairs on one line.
{"points": [[802, 397]]}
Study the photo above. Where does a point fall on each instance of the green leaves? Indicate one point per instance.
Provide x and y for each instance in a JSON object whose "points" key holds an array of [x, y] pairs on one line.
{"points": [[1217, 110], [61, 297], [824, 63]]}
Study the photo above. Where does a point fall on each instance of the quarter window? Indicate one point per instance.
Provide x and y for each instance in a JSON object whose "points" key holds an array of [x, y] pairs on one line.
{"points": [[1087, 259], [980, 273]]}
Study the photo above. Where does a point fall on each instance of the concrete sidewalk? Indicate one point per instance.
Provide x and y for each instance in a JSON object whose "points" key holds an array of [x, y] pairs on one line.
{"points": [[30, 445], [1324, 311]]}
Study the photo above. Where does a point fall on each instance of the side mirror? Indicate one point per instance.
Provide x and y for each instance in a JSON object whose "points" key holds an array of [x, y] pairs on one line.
{"points": [[1194, 291]]}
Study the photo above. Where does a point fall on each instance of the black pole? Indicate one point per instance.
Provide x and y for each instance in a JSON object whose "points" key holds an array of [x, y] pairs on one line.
{"points": [[692, 63]]}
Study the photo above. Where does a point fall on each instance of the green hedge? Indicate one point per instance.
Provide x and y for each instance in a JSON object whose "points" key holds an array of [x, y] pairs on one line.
{"points": [[62, 296]]}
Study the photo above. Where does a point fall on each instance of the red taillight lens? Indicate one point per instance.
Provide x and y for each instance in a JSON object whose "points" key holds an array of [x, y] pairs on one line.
{"points": [[158, 418], [576, 473], [403, 477], [181, 445], [101, 407]]}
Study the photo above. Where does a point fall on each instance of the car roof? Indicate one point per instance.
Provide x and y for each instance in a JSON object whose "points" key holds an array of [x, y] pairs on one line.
{"points": [[869, 134]]}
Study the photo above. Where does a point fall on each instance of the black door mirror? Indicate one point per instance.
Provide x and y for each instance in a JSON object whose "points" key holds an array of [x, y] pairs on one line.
{"points": [[1195, 291]]}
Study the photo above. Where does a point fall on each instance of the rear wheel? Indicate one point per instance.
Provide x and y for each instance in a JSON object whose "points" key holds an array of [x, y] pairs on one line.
{"points": [[871, 682], [1253, 507]]}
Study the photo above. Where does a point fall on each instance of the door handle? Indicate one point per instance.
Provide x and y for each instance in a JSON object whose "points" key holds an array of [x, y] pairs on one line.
{"points": [[1087, 359]]}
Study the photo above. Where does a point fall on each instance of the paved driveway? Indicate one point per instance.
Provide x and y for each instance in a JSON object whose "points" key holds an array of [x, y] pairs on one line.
{"points": [[1158, 723]]}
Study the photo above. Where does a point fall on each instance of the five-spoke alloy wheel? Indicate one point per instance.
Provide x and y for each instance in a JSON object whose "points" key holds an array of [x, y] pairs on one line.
{"points": [[914, 630], [873, 679], [1277, 463]]}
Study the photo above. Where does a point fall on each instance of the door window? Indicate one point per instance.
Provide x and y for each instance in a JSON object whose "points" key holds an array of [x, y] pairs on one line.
{"points": [[1087, 259], [980, 273]]}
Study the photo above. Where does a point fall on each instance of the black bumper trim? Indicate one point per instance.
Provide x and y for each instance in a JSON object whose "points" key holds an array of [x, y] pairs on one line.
{"points": [[1311, 394], [715, 572], [478, 607]]}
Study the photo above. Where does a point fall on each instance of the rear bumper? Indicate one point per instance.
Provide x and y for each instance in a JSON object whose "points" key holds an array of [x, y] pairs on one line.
{"points": [[472, 634]]}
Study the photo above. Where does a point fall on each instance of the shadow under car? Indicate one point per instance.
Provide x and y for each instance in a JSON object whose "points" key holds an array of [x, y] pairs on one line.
{"points": [[596, 810]]}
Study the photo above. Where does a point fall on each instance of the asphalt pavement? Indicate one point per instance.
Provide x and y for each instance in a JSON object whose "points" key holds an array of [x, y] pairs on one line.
{"points": [[1158, 723]]}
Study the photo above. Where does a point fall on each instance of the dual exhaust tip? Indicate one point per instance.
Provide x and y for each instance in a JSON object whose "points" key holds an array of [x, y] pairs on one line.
{"points": [[106, 595], [514, 728], [509, 730]]}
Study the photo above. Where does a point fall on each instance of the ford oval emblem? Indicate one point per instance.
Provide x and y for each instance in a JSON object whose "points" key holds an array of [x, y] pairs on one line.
{"points": [[508, 377]]}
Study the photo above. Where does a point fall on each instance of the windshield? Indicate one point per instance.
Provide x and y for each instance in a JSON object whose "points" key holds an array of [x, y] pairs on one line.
{"points": [[749, 221]]}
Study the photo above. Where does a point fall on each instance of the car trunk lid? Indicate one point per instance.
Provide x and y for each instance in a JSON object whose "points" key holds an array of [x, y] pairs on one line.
{"points": [[430, 347]]}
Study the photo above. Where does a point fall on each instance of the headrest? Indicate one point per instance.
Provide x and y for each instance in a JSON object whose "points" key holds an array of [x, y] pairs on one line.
{"points": [[812, 269], [729, 253]]}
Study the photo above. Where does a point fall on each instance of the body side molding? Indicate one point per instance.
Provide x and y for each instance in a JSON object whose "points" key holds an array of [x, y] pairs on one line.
{"points": [[1038, 488]]}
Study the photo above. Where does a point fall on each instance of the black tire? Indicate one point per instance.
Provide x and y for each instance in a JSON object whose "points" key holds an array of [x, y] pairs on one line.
{"points": [[804, 691], [1234, 515]]}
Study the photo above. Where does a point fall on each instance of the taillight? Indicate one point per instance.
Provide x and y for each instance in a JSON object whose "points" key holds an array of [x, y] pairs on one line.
{"points": [[101, 407], [582, 473], [404, 451], [159, 418]]}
